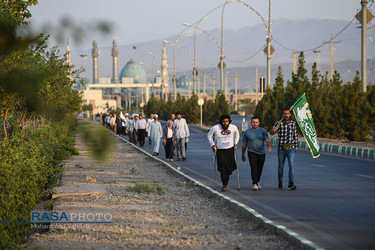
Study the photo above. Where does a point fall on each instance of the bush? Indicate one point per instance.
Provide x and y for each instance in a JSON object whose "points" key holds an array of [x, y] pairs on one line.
{"points": [[145, 187], [28, 166]]}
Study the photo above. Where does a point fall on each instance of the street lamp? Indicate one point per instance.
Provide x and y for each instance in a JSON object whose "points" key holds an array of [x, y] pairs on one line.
{"points": [[153, 71], [174, 61], [83, 56], [268, 39]]}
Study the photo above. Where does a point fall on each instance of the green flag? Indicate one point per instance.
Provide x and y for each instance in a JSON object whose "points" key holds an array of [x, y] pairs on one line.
{"points": [[305, 121]]}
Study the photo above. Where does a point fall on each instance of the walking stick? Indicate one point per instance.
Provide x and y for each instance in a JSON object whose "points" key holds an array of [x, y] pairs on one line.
{"points": [[214, 160], [238, 175]]}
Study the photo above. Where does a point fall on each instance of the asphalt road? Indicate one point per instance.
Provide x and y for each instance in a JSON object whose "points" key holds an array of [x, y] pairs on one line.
{"points": [[333, 205]]}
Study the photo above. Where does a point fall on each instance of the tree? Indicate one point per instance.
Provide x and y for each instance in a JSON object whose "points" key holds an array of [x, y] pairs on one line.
{"points": [[277, 98], [298, 85], [335, 116], [264, 109]]}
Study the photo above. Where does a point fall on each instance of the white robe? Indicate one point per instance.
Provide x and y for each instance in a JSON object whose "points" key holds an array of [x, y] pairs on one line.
{"points": [[155, 132]]}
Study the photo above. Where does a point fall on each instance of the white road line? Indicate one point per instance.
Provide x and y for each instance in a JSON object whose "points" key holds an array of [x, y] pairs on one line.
{"points": [[318, 165], [366, 176]]}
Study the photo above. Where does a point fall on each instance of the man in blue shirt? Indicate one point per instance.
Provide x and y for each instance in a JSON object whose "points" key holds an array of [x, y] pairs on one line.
{"points": [[253, 139]]}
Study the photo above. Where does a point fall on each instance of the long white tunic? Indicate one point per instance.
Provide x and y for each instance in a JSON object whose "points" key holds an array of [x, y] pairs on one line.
{"points": [[224, 139], [155, 132]]}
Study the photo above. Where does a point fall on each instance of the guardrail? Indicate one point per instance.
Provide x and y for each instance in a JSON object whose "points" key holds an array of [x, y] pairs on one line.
{"points": [[337, 149]]}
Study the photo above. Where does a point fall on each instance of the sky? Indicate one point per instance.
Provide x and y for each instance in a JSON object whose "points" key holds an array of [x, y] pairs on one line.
{"points": [[136, 21]]}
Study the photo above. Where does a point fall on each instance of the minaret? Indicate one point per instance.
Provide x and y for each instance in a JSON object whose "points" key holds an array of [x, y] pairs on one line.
{"points": [[95, 54], [68, 56], [164, 73], [114, 55]]}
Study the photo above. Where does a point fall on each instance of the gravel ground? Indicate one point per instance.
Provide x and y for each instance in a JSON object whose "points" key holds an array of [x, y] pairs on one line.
{"points": [[180, 218]]}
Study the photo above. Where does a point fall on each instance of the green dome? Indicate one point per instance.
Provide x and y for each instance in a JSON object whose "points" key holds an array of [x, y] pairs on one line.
{"points": [[183, 82], [248, 90], [135, 70]]}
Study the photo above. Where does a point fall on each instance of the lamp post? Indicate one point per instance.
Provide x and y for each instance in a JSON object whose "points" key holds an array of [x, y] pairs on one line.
{"points": [[153, 71], [174, 62], [269, 49], [83, 56]]}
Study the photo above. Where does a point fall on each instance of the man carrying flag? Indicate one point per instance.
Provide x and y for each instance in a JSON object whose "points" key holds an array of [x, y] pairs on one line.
{"points": [[287, 148], [288, 137]]}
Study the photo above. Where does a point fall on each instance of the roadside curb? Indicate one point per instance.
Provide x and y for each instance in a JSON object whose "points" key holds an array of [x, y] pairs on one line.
{"points": [[237, 207], [336, 149], [324, 147]]}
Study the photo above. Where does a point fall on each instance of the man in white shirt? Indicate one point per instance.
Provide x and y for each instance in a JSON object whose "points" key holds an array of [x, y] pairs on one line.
{"points": [[151, 119], [223, 138], [182, 133], [140, 128], [155, 133]]}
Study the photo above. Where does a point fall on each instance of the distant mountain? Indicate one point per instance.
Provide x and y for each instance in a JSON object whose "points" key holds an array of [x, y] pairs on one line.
{"points": [[243, 51]]}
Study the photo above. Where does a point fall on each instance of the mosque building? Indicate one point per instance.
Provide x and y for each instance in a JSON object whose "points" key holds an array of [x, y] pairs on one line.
{"points": [[126, 89]]}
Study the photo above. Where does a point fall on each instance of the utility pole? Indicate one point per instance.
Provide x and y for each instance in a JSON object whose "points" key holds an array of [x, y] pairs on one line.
{"points": [[236, 104], [204, 84], [213, 86], [226, 85], [332, 42], [331, 57], [317, 59], [256, 85], [294, 61], [364, 17], [364, 52], [269, 49]]}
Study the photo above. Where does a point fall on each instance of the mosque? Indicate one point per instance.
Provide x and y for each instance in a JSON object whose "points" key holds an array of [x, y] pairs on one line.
{"points": [[130, 88], [126, 89]]}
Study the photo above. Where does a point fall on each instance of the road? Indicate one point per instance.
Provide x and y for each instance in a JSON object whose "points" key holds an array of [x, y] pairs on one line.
{"points": [[333, 205]]}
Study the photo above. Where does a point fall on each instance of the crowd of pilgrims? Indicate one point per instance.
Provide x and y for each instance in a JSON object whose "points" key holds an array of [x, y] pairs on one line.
{"points": [[138, 128]]}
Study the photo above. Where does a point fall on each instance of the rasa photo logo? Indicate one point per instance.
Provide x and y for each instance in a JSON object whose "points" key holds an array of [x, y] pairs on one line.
{"points": [[70, 217]]}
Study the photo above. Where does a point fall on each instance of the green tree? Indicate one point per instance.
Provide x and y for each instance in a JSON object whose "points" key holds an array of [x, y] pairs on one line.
{"points": [[336, 119], [264, 110], [353, 106], [277, 99], [192, 110], [298, 85]]}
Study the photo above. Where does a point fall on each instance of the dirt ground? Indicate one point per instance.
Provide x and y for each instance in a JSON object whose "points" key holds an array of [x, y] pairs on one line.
{"points": [[180, 218]]}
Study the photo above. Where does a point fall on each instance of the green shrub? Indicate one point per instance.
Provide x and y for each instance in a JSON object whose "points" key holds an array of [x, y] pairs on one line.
{"points": [[145, 187], [28, 166]]}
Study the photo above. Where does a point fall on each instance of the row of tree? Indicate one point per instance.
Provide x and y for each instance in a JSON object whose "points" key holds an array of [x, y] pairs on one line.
{"points": [[339, 110], [211, 110], [37, 108]]}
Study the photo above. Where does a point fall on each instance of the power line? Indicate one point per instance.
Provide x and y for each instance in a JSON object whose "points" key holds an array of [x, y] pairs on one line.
{"points": [[248, 57], [317, 47]]}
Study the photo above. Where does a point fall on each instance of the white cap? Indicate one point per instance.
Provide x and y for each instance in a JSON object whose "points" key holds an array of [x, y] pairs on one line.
{"points": [[155, 115]]}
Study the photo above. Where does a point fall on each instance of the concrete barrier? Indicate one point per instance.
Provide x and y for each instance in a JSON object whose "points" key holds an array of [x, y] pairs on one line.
{"points": [[337, 149]]}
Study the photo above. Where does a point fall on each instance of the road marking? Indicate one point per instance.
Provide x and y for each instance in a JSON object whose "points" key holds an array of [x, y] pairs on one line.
{"points": [[318, 165], [366, 176]]}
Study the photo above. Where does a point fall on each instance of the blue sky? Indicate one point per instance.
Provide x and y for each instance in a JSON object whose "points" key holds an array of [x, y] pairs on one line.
{"points": [[135, 21]]}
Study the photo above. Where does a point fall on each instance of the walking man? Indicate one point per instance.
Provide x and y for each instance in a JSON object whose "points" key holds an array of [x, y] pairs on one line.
{"points": [[223, 138], [113, 123], [118, 125], [155, 133], [182, 133], [140, 128], [151, 119], [169, 139], [253, 139], [131, 132], [287, 149]]}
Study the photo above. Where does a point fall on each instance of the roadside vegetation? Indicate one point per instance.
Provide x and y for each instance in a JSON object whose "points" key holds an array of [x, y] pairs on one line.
{"points": [[37, 125], [211, 110], [340, 110]]}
